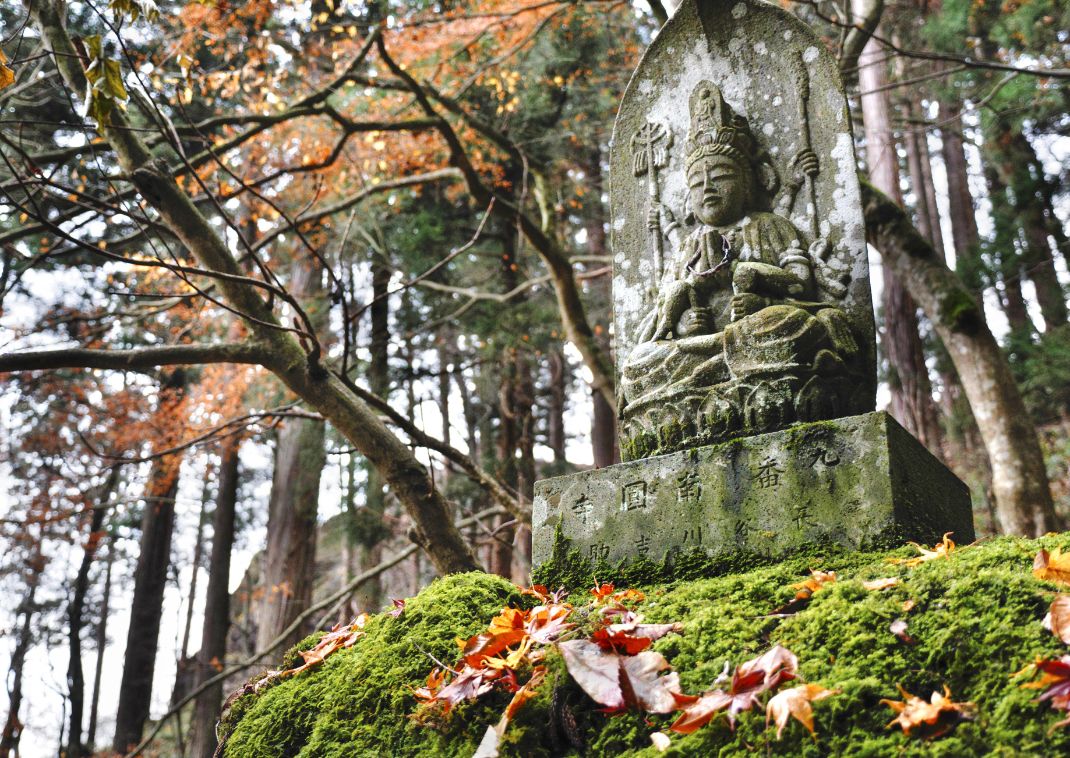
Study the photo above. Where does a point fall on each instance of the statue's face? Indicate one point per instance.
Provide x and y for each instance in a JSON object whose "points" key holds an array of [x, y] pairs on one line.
{"points": [[718, 190]]}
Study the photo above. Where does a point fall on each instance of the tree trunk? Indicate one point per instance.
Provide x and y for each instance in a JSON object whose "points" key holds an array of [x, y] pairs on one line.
{"points": [[75, 619], [216, 604], [300, 455], [912, 401], [604, 418], [12, 733], [555, 414], [290, 558], [1015, 160], [1009, 267], [150, 578], [963, 216], [101, 643], [1020, 482], [370, 530], [186, 673]]}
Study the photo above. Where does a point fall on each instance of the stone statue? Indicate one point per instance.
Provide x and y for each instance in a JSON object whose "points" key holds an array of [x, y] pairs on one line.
{"points": [[744, 323], [742, 316], [744, 335]]}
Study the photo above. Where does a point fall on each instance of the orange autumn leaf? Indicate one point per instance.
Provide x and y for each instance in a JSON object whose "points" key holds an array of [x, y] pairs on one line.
{"points": [[602, 591], [1055, 681], [526, 692], [817, 582], [429, 692], [796, 703], [1058, 618], [508, 621], [7, 76], [942, 549], [931, 719], [750, 679], [1052, 567], [512, 660]]}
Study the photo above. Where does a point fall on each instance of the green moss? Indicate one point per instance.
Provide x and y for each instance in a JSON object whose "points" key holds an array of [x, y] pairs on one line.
{"points": [[976, 619]]}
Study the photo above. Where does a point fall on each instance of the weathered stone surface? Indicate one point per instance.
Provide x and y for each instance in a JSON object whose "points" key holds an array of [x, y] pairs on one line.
{"points": [[741, 285], [860, 482]]}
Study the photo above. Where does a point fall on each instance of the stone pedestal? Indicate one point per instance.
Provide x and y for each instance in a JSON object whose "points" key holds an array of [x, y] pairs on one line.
{"points": [[861, 482]]}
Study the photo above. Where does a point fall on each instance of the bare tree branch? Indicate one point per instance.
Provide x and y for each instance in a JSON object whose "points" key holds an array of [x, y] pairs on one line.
{"points": [[132, 360]]}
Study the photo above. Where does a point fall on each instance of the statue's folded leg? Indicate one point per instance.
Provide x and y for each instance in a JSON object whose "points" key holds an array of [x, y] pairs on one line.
{"points": [[838, 327], [763, 279]]}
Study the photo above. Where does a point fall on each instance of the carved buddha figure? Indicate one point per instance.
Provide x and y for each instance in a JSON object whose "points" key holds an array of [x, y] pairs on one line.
{"points": [[744, 317]]}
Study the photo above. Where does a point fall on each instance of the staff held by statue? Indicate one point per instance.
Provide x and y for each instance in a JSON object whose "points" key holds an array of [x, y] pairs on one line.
{"points": [[650, 152]]}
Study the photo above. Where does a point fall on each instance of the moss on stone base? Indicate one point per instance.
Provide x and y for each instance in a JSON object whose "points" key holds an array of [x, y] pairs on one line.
{"points": [[976, 619]]}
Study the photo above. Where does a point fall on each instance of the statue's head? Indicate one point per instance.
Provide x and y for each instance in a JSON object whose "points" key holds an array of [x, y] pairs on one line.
{"points": [[720, 159]]}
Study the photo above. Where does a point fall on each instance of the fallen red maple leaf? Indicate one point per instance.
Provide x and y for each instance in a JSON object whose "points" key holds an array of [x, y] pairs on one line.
{"points": [[750, 679], [1056, 684], [547, 622]]}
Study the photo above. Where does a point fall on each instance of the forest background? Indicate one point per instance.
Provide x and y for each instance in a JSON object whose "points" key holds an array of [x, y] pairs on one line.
{"points": [[298, 299]]}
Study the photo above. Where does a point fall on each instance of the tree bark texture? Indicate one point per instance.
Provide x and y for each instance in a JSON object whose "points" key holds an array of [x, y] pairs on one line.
{"points": [[1020, 482], [604, 416], [216, 624], [300, 455], [370, 530], [912, 401], [961, 209], [12, 733], [76, 619], [150, 579], [290, 558], [1014, 158], [101, 642]]}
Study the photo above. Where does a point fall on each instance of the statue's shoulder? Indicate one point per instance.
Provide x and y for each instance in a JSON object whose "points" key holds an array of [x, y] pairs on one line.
{"points": [[766, 236]]}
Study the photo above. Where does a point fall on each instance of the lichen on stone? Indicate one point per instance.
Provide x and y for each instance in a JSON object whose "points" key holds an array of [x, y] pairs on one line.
{"points": [[976, 619]]}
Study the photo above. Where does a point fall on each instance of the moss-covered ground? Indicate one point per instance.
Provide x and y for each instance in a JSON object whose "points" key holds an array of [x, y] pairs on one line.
{"points": [[975, 619]]}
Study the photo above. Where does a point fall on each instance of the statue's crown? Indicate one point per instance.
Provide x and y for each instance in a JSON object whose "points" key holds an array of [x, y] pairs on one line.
{"points": [[715, 128]]}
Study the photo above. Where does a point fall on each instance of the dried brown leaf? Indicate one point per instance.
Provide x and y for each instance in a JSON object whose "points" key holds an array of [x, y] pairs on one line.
{"points": [[881, 584], [595, 670], [795, 703], [643, 685], [1058, 618]]}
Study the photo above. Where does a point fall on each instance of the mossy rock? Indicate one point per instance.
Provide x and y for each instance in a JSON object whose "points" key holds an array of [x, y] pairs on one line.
{"points": [[976, 619]]}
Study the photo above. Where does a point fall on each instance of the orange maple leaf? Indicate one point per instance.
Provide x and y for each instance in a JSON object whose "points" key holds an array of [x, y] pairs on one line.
{"points": [[943, 549], [931, 719], [1052, 567]]}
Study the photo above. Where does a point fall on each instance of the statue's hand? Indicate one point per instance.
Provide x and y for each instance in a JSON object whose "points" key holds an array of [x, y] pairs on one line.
{"points": [[819, 249], [696, 321], [746, 303], [831, 270], [805, 164], [660, 218]]}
